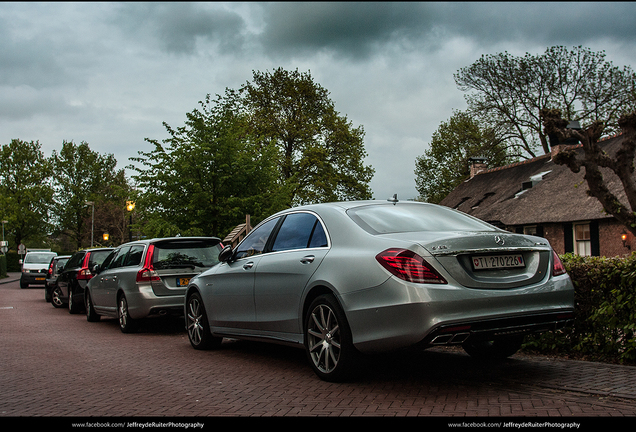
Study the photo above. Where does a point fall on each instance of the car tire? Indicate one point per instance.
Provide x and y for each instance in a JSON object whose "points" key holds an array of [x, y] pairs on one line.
{"points": [[91, 315], [497, 349], [56, 298], [126, 323], [328, 340], [23, 284], [197, 324], [73, 306]]}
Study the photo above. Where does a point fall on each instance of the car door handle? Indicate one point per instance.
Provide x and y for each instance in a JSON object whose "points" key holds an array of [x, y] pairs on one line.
{"points": [[248, 266], [307, 259]]}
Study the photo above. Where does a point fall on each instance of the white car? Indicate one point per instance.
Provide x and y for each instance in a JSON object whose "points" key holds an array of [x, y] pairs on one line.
{"points": [[35, 267]]}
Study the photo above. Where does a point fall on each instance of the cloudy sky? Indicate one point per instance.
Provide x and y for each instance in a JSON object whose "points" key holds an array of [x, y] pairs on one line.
{"points": [[111, 73]]}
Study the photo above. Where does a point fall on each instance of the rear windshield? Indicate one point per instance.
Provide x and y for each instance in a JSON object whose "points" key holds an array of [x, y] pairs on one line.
{"points": [[388, 218], [186, 254], [98, 257]]}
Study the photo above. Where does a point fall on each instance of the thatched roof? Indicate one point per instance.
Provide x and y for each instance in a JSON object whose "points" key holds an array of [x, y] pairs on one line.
{"points": [[552, 192]]}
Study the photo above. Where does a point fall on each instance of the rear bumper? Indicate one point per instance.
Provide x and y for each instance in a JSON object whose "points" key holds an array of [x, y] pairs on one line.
{"points": [[144, 303], [485, 330], [399, 315]]}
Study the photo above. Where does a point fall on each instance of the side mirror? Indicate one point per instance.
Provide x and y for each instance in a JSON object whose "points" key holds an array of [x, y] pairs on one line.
{"points": [[226, 254], [96, 269]]}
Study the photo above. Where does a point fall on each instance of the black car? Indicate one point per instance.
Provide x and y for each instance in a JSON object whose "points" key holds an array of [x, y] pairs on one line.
{"points": [[76, 274], [55, 268]]}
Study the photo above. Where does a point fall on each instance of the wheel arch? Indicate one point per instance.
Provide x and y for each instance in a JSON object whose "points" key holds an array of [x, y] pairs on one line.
{"points": [[314, 293]]}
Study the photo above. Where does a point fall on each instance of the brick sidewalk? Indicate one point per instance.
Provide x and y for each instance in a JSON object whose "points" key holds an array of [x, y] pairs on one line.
{"points": [[57, 364]]}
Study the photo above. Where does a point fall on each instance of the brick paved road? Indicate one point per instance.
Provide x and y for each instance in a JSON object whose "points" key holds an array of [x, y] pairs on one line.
{"points": [[56, 364]]}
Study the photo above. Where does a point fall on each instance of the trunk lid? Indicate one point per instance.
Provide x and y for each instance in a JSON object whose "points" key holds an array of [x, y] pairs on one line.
{"points": [[488, 259]]}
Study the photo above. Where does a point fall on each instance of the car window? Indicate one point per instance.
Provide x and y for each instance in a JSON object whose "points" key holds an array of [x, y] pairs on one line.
{"points": [[118, 261], [318, 237], [296, 232], [185, 253], [61, 263], [255, 242], [384, 219], [76, 260], [97, 257], [134, 255], [109, 259]]}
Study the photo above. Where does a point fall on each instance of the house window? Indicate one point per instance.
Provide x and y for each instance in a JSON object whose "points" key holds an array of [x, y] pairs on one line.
{"points": [[530, 230], [582, 239]]}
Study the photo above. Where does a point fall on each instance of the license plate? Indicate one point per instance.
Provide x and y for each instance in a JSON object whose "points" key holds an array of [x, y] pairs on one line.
{"points": [[183, 282], [498, 262], [39, 279]]}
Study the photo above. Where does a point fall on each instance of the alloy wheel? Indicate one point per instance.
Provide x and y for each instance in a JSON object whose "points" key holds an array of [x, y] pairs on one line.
{"points": [[324, 343], [194, 318]]}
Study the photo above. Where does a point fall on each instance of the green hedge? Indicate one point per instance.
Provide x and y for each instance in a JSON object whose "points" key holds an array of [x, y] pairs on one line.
{"points": [[605, 312], [3, 266]]}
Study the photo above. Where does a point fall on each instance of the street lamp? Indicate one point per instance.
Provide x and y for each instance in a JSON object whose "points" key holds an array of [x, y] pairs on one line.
{"points": [[130, 206], [4, 246], [92, 203]]}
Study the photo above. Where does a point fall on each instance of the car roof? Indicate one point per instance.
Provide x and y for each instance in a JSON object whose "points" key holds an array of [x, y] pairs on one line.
{"points": [[162, 239]]}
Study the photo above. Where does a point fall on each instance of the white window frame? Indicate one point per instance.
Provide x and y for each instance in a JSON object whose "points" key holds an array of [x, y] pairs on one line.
{"points": [[582, 246]]}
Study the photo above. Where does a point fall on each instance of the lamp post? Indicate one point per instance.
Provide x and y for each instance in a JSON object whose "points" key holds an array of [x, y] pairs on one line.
{"points": [[4, 246], [130, 206], [92, 204]]}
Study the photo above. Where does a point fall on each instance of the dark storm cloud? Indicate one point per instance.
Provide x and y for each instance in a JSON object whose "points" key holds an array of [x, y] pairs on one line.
{"points": [[178, 26], [359, 29]]}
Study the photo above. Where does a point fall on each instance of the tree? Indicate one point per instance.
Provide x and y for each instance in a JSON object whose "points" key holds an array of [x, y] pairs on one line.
{"points": [[81, 175], [26, 193], [509, 92], [208, 174], [320, 152], [445, 163], [594, 158]]}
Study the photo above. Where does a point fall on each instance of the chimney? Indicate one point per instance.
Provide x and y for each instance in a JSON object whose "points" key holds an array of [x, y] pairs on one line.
{"points": [[477, 165]]}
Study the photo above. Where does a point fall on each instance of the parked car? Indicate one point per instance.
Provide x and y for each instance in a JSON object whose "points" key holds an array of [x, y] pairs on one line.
{"points": [[341, 279], [71, 283], [148, 278], [34, 267], [55, 268]]}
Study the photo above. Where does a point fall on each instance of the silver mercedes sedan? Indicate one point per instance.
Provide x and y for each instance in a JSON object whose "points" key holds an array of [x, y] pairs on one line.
{"points": [[345, 279]]}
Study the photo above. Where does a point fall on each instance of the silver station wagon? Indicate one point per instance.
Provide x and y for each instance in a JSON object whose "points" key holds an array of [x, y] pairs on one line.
{"points": [[147, 278], [341, 279]]}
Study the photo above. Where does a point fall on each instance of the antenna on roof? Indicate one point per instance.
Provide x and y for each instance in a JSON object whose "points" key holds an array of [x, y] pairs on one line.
{"points": [[394, 199]]}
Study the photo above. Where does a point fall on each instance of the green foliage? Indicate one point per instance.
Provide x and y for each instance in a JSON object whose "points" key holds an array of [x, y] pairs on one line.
{"points": [[320, 153], [26, 194], [274, 143], [207, 175], [508, 92], [80, 175], [605, 311], [446, 163]]}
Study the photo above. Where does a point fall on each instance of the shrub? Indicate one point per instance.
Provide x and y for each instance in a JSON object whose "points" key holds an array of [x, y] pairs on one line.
{"points": [[605, 312]]}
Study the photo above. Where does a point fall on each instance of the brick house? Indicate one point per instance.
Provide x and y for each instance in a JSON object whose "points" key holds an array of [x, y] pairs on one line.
{"points": [[539, 197]]}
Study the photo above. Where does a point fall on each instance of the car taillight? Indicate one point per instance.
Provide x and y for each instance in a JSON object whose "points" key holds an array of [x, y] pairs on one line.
{"points": [[148, 273], [557, 266], [50, 272], [409, 266], [85, 272]]}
